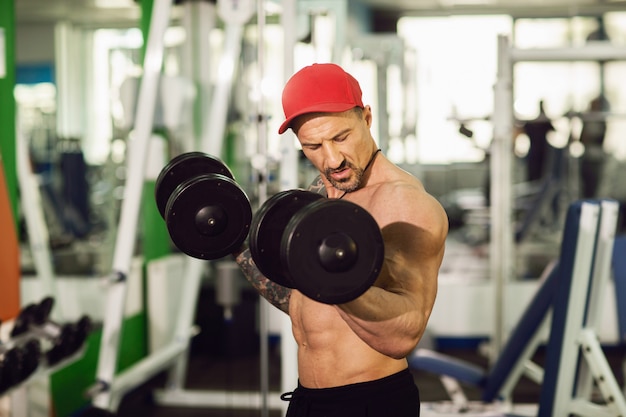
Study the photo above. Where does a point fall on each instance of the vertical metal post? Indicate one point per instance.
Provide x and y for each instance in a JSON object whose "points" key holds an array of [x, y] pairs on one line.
{"points": [[127, 228], [188, 303], [289, 154], [288, 180], [38, 237], [568, 314], [383, 108], [156, 240], [213, 137], [340, 8], [601, 275], [235, 14], [262, 149], [70, 110], [501, 178], [199, 18]]}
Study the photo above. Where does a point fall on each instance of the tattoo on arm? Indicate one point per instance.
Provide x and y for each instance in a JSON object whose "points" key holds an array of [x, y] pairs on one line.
{"points": [[317, 186], [276, 294]]}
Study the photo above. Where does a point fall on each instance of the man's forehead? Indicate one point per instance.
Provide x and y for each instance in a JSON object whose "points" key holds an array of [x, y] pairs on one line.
{"points": [[323, 119]]}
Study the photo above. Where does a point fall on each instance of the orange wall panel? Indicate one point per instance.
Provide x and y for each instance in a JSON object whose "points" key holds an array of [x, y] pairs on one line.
{"points": [[9, 256]]}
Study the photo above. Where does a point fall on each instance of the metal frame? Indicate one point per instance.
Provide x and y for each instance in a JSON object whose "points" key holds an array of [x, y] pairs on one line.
{"points": [[502, 238], [579, 343], [576, 290], [288, 180], [288, 176], [38, 237], [501, 242], [110, 388], [175, 355], [384, 50]]}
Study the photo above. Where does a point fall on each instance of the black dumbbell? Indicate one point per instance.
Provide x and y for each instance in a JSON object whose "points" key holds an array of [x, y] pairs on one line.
{"points": [[9, 369], [23, 320], [18, 363], [331, 250], [31, 358], [32, 314], [4, 383], [64, 340], [69, 338], [207, 213]]}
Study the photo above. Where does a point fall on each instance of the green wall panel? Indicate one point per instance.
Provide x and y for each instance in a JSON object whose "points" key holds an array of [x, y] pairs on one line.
{"points": [[7, 100], [68, 385]]}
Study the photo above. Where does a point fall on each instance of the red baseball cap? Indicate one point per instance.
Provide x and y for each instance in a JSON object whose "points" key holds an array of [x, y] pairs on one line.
{"points": [[323, 88]]}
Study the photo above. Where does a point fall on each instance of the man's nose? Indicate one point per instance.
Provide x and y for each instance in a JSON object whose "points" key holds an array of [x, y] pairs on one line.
{"points": [[334, 158]]}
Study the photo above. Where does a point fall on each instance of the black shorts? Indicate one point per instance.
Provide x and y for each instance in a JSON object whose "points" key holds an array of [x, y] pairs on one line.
{"points": [[395, 395]]}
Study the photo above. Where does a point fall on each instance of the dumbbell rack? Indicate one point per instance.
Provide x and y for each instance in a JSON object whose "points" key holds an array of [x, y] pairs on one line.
{"points": [[34, 346]]}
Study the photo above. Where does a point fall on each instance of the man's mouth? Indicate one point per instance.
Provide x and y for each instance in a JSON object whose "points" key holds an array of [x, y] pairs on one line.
{"points": [[340, 175]]}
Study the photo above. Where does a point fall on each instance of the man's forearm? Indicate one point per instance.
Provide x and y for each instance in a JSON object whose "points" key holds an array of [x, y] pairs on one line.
{"points": [[276, 294]]}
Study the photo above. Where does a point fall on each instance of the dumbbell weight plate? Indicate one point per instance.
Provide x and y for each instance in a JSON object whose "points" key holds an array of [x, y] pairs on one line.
{"points": [[332, 250], [80, 331], [184, 167], [4, 383], [24, 320], [208, 216], [62, 345], [42, 313], [31, 357], [267, 227], [12, 364]]}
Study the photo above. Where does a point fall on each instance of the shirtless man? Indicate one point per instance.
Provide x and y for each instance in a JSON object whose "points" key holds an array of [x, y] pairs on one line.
{"points": [[351, 357]]}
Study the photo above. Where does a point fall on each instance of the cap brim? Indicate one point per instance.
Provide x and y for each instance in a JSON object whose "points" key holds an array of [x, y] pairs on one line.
{"points": [[318, 108]]}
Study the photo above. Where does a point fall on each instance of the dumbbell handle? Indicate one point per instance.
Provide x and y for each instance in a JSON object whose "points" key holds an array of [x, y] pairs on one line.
{"points": [[48, 330]]}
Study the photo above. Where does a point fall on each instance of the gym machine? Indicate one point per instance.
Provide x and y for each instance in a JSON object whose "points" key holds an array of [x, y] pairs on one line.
{"points": [[501, 210], [584, 341], [38, 238], [569, 298], [109, 388], [385, 51]]}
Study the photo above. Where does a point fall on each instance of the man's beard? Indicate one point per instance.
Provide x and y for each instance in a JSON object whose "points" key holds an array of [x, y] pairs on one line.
{"points": [[345, 185]]}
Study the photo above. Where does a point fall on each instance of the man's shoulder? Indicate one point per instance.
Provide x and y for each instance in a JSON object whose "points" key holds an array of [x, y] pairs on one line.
{"points": [[408, 200], [395, 198], [400, 187]]}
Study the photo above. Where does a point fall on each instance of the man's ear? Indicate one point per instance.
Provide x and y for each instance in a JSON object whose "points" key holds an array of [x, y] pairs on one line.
{"points": [[367, 115]]}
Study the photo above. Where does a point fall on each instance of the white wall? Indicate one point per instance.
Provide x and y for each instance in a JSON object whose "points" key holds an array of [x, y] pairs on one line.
{"points": [[34, 43]]}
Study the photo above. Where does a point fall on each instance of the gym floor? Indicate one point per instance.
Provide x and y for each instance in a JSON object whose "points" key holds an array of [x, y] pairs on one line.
{"points": [[242, 373]]}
